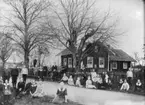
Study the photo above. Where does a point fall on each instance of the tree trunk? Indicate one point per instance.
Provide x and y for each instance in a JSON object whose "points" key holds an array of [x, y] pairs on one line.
{"points": [[3, 65], [77, 63], [26, 59]]}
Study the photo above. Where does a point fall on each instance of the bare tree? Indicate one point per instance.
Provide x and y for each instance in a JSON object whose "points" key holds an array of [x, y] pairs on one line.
{"points": [[137, 58], [75, 22], [5, 49], [25, 30]]}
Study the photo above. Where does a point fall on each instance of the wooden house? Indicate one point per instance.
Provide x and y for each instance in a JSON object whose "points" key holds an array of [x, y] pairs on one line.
{"points": [[100, 57]]}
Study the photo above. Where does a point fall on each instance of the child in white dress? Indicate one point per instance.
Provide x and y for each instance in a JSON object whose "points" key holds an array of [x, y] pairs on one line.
{"points": [[70, 80], [89, 84]]}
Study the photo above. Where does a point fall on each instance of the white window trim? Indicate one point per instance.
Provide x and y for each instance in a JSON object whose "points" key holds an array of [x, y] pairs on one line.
{"points": [[113, 65], [90, 65], [125, 65], [65, 59], [69, 65], [102, 66]]}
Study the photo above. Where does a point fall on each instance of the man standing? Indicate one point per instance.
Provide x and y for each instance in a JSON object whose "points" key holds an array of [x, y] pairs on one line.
{"points": [[129, 75], [24, 73], [14, 74], [6, 74]]}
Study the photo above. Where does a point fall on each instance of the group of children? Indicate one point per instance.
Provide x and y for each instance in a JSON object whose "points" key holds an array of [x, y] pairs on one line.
{"points": [[95, 81], [125, 86]]}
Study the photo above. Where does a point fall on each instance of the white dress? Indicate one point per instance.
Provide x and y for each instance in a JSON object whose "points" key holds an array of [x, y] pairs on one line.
{"points": [[70, 81], [39, 91], [89, 84]]}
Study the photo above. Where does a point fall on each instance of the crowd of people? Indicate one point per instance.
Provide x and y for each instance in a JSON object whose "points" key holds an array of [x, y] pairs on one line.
{"points": [[14, 84], [15, 80], [95, 80], [92, 79]]}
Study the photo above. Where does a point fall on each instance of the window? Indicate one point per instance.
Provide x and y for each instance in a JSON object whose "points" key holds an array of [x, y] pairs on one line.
{"points": [[101, 62], [70, 62], [64, 61], [124, 65], [114, 65], [90, 62]]}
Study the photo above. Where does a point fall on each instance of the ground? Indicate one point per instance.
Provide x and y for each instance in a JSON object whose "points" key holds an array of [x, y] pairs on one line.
{"points": [[84, 96], [38, 101]]}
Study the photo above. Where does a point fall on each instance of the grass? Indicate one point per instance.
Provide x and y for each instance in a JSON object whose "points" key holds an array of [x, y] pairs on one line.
{"points": [[46, 100]]}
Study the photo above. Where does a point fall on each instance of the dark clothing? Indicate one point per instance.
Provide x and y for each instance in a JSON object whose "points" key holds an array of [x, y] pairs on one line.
{"points": [[15, 71], [34, 62], [21, 86], [24, 77], [1, 94], [54, 67], [83, 82], [129, 80], [45, 69], [1, 89], [14, 80], [6, 75], [14, 74], [28, 88]]}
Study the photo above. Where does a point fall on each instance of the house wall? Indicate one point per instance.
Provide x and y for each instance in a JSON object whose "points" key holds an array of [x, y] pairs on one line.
{"points": [[119, 66], [100, 53]]}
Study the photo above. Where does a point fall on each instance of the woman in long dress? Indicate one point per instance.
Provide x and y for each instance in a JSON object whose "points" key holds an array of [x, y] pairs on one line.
{"points": [[61, 95]]}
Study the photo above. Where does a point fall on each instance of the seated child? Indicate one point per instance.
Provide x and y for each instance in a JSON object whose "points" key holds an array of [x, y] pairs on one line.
{"points": [[61, 95], [89, 84], [70, 80], [138, 85], [78, 83], [120, 83], [109, 84], [30, 87], [39, 90], [64, 78], [20, 87], [125, 86]]}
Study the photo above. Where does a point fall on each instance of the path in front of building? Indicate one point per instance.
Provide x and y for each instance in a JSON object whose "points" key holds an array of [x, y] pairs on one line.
{"points": [[95, 97]]}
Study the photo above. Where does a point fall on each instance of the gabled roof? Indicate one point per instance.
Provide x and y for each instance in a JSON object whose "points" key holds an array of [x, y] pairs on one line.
{"points": [[64, 52], [120, 55], [115, 54]]}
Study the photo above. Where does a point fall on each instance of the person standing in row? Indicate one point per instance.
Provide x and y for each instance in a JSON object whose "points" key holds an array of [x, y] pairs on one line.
{"points": [[14, 74], [24, 73], [6, 74]]}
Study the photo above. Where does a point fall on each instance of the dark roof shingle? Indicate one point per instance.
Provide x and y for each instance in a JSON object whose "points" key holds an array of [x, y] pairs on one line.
{"points": [[121, 56]]}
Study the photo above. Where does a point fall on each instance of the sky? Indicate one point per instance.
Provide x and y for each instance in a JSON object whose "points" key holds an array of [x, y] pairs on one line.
{"points": [[131, 20]]}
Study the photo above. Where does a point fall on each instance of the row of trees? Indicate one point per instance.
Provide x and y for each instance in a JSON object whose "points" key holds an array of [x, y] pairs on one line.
{"points": [[72, 23]]}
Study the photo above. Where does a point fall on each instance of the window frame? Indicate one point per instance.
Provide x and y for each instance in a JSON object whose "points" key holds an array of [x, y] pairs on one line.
{"points": [[125, 65], [103, 65], [92, 62], [113, 65], [64, 61], [70, 65]]}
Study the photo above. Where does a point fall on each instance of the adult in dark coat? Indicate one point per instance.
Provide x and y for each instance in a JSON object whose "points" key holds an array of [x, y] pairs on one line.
{"points": [[54, 67], [6, 74], [14, 74], [45, 69], [20, 87]]}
